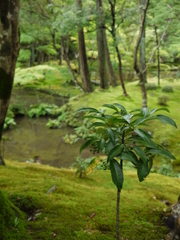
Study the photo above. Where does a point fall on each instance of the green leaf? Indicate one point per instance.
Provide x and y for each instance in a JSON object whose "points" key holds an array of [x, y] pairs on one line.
{"points": [[150, 163], [110, 134], [140, 153], [88, 110], [115, 152], [101, 145], [146, 137], [130, 156], [97, 124], [96, 117], [110, 106], [116, 174], [87, 144], [162, 152], [165, 119], [158, 109], [121, 107], [142, 170], [128, 117], [109, 147], [136, 110], [145, 111]]}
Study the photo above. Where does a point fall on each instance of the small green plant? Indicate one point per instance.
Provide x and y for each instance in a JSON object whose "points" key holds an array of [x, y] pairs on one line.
{"points": [[162, 100], [43, 109], [120, 137], [167, 89], [69, 138], [151, 86], [82, 164], [53, 123], [9, 120], [17, 110]]}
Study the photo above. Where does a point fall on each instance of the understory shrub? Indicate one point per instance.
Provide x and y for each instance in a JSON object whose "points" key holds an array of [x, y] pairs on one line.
{"points": [[43, 109], [9, 120], [167, 89], [151, 86], [162, 100]]}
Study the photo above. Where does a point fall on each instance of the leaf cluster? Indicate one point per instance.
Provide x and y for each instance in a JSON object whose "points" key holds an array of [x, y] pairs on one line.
{"points": [[121, 136]]}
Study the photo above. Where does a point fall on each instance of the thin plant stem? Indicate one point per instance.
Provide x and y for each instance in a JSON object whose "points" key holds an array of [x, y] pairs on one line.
{"points": [[117, 214]]}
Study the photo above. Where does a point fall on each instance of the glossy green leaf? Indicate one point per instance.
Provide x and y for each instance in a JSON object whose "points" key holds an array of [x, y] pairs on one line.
{"points": [[101, 145], [158, 109], [115, 152], [98, 124], [96, 117], [165, 119], [161, 152], [116, 174], [110, 134], [146, 137], [88, 110], [87, 144], [110, 106], [128, 117], [150, 163], [145, 111], [121, 107], [142, 170], [140, 153], [130, 156], [136, 110]]}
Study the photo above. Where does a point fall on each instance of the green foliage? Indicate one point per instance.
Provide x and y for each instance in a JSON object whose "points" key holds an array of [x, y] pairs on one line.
{"points": [[167, 89], [43, 109], [17, 109], [69, 138], [9, 120], [162, 100], [24, 55], [151, 86], [120, 136], [82, 164], [53, 123]]}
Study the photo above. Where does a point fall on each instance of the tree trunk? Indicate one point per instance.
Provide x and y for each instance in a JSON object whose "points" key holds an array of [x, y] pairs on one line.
{"points": [[112, 78], [9, 49], [113, 33], [142, 49], [82, 55], [158, 56], [100, 46], [120, 71]]}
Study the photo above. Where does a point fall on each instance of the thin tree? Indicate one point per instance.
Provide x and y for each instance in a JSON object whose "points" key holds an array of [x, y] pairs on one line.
{"points": [[113, 33], [135, 64], [82, 55], [9, 49], [100, 45]]}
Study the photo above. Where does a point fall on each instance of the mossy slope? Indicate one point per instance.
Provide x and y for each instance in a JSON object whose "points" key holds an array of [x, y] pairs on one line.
{"points": [[65, 213]]}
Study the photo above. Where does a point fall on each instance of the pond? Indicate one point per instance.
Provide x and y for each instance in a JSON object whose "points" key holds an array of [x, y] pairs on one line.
{"points": [[32, 138]]}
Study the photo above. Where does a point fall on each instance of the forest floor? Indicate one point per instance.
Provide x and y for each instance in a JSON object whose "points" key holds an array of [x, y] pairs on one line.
{"points": [[83, 208]]}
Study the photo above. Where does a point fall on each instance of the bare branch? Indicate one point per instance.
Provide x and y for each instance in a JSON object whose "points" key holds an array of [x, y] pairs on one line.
{"points": [[169, 22]]}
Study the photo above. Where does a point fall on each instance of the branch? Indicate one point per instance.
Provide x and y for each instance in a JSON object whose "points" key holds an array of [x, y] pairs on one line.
{"points": [[140, 15], [136, 68], [169, 22]]}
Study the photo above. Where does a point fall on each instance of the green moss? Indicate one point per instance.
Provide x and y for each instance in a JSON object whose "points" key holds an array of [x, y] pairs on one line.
{"points": [[11, 229], [67, 210], [5, 85]]}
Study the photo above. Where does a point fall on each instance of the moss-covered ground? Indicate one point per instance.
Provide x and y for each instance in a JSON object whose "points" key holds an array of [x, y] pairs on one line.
{"points": [[85, 208]]}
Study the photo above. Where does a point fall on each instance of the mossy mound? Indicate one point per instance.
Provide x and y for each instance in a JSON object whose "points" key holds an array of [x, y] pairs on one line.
{"points": [[12, 221]]}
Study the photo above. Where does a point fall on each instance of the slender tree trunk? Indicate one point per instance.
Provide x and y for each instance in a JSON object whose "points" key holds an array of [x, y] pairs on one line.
{"points": [[82, 55], [117, 214], [142, 49], [120, 71], [112, 78], [158, 56], [66, 50], [100, 46], [113, 33], [9, 49]]}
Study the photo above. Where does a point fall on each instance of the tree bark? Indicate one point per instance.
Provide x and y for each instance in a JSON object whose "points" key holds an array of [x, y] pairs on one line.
{"points": [[158, 56], [112, 78], [9, 49], [113, 33], [82, 55], [100, 46], [142, 48]]}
